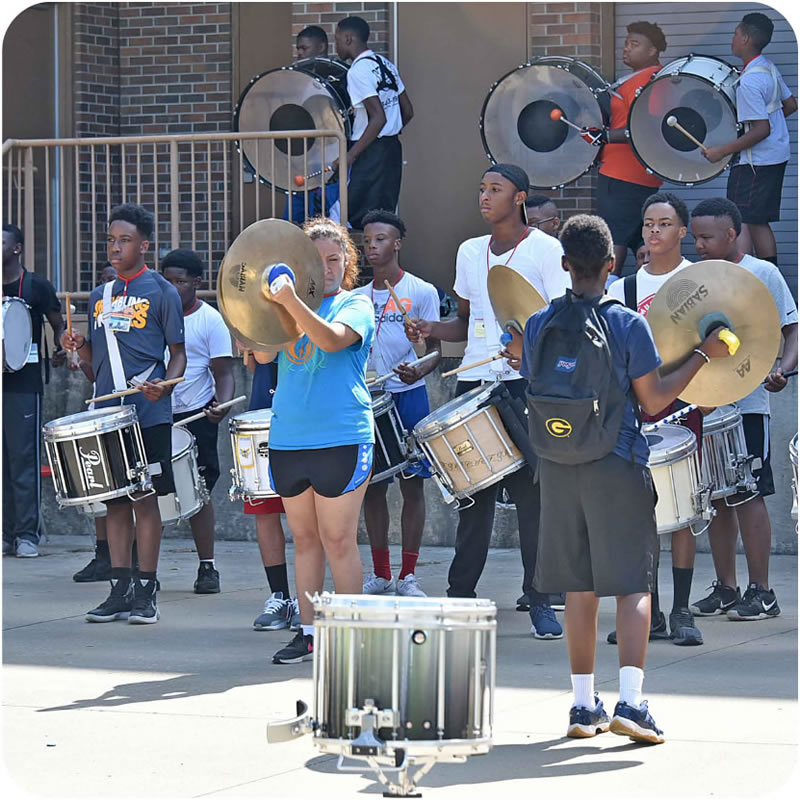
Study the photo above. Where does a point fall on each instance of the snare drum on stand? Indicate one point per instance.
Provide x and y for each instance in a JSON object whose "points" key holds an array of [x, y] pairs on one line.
{"points": [[467, 444], [399, 681], [683, 499], [17, 334], [250, 443], [97, 455], [391, 439], [726, 465]]}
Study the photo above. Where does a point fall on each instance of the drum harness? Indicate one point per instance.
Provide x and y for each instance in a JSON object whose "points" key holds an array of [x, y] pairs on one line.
{"points": [[773, 104]]}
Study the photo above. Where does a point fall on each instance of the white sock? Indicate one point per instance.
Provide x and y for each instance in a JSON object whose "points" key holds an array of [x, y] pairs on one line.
{"points": [[583, 689], [308, 630], [209, 560], [630, 685]]}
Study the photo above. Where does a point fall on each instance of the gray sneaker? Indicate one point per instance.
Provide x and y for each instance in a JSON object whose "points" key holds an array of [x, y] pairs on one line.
{"points": [[26, 549], [409, 587], [378, 585], [277, 613], [294, 621]]}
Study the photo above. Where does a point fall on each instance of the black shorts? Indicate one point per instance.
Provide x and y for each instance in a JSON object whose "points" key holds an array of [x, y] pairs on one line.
{"points": [[158, 451], [620, 203], [597, 529], [757, 191], [330, 472], [756, 438], [205, 436]]}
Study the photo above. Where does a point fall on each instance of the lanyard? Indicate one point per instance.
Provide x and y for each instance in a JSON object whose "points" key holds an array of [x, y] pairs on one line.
{"points": [[127, 281], [21, 277], [514, 251]]}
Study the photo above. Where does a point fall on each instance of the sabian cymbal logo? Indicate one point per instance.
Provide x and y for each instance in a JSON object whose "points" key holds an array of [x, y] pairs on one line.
{"points": [[241, 279], [683, 296], [558, 427]]}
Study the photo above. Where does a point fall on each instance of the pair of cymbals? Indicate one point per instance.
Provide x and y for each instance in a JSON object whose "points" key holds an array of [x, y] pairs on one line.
{"points": [[514, 299], [717, 292], [257, 321]]}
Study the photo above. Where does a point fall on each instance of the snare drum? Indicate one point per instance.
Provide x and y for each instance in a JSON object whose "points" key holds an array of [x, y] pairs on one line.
{"points": [[190, 490], [726, 464], [699, 91], [516, 125], [17, 334], [400, 677], [96, 455], [674, 464], [467, 443], [793, 461], [250, 443], [391, 439]]}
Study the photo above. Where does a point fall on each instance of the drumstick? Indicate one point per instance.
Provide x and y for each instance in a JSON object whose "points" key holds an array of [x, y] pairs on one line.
{"points": [[130, 391], [299, 180], [672, 122], [73, 355], [785, 376], [397, 301], [381, 379], [498, 356], [223, 406]]}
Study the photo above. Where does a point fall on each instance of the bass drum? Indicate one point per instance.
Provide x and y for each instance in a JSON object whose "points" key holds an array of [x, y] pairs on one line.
{"points": [[516, 125], [306, 96], [699, 92]]}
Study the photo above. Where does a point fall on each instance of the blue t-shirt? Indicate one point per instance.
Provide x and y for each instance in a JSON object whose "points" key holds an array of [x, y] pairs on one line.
{"points": [[156, 321], [322, 399], [633, 354], [265, 379]]}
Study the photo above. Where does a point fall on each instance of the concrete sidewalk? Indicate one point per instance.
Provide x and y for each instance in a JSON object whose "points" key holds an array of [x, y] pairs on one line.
{"points": [[179, 709]]}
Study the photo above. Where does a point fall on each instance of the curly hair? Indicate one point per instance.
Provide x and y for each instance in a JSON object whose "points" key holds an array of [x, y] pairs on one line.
{"points": [[652, 32], [587, 244], [323, 228]]}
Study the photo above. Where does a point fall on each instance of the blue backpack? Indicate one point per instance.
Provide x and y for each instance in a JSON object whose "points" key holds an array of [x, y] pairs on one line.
{"points": [[575, 401]]}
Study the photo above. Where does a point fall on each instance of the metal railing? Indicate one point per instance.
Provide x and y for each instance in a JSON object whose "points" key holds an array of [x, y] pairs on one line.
{"points": [[203, 189]]}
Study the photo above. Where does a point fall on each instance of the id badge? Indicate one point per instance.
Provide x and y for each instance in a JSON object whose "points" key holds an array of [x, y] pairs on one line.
{"points": [[480, 328], [33, 357], [119, 322]]}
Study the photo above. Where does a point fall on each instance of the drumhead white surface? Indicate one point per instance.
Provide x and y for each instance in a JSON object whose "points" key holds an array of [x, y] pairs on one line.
{"points": [[89, 422], [251, 421], [17, 333], [670, 443], [453, 412], [182, 441]]}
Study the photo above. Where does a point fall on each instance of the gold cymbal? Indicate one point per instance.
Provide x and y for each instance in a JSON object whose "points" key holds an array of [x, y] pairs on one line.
{"points": [[514, 299], [709, 293], [243, 290]]}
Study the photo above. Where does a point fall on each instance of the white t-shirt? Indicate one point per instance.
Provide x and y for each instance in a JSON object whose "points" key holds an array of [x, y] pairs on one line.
{"points": [[758, 400], [537, 258], [207, 338], [754, 91], [391, 346], [363, 79], [647, 285]]}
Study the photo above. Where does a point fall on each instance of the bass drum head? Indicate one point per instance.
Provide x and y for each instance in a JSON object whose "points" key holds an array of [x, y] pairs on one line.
{"points": [[698, 94], [17, 334], [289, 99], [516, 126]]}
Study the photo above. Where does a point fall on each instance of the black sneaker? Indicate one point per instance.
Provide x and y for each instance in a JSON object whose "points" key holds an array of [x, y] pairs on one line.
{"points": [[720, 599], [523, 603], [658, 630], [300, 648], [682, 630], [144, 610], [585, 722], [635, 723], [207, 579], [757, 603], [95, 570], [117, 606]]}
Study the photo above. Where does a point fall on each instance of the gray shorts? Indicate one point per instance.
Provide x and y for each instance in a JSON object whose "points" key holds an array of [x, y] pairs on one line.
{"points": [[597, 529]]}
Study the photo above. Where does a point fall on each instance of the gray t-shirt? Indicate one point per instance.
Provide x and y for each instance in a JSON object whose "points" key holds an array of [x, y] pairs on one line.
{"points": [[156, 321]]}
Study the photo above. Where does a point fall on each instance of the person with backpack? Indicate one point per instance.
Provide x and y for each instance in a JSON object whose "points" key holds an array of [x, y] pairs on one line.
{"points": [[590, 363], [382, 109]]}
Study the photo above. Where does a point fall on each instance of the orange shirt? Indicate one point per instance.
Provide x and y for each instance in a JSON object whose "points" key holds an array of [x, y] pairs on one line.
{"points": [[618, 160]]}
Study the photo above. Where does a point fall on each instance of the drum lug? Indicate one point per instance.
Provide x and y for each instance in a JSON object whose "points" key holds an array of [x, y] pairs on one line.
{"points": [[370, 717], [287, 729]]}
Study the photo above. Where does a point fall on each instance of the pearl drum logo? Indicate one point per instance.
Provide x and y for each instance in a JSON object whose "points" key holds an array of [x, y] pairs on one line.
{"points": [[558, 427], [90, 459]]}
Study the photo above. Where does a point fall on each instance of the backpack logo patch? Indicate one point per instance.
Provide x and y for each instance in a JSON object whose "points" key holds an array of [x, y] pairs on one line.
{"points": [[558, 427], [566, 365]]}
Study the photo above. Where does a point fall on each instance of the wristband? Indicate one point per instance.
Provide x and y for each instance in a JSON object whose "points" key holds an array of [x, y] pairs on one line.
{"points": [[702, 354]]}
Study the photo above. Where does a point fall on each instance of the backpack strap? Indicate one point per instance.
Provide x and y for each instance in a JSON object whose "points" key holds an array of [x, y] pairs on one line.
{"points": [[387, 79], [629, 288]]}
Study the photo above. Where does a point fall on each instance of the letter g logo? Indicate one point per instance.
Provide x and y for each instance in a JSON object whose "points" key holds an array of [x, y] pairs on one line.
{"points": [[558, 427]]}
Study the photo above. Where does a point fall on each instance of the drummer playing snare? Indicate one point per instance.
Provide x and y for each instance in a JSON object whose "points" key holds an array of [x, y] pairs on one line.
{"points": [[145, 317], [537, 256]]}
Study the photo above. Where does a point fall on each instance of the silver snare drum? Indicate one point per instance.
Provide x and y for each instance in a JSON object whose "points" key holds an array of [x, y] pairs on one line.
{"points": [[190, 489], [400, 680], [250, 443], [683, 499], [17, 334], [726, 464], [96, 455], [793, 461]]}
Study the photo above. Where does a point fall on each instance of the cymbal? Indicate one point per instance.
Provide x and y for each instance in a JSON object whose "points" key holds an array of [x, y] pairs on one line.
{"points": [[709, 293], [514, 299], [243, 290]]}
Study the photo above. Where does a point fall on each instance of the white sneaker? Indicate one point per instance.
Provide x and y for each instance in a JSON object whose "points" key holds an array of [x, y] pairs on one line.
{"points": [[294, 619], [408, 586], [26, 549], [378, 585]]}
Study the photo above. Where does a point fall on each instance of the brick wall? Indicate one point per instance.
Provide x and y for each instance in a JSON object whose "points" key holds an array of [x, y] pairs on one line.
{"points": [[326, 15], [568, 29]]}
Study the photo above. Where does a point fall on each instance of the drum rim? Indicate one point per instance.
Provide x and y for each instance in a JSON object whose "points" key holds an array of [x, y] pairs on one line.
{"points": [[382, 402], [184, 450], [725, 165], [793, 450], [327, 606], [124, 414], [257, 424], [686, 448], [470, 396], [343, 113], [537, 61], [723, 419]]}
